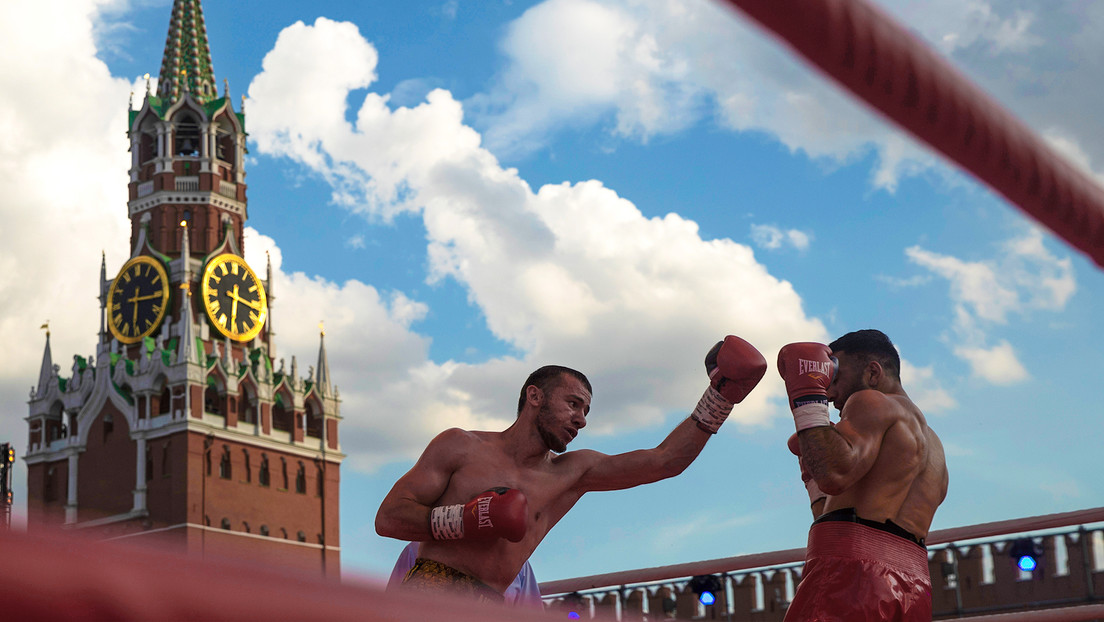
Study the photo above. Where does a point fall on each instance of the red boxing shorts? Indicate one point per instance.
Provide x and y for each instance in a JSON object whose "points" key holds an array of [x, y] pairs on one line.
{"points": [[857, 572], [429, 575]]}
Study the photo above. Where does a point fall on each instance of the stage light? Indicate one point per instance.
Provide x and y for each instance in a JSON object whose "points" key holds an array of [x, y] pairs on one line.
{"points": [[1025, 553], [706, 587], [574, 604]]}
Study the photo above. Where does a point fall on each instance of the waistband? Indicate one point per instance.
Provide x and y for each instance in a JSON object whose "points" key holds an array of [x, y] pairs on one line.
{"points": [[850, 540], [430, 574], [848, 515]]}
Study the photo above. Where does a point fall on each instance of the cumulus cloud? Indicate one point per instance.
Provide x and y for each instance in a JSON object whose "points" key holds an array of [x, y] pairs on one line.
{"points": [[571, 273], [1023, 278], [53, 233]]}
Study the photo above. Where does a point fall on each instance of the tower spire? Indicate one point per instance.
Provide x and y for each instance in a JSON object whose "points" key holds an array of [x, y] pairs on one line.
{"points": [[186, 65], [46, 372], [322, 375]]}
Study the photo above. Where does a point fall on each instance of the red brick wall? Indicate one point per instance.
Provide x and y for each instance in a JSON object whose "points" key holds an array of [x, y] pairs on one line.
{"points": [[106, 470]]}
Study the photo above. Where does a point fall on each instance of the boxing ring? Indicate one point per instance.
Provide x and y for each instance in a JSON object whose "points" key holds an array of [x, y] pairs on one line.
{"points": [[852, 42]]}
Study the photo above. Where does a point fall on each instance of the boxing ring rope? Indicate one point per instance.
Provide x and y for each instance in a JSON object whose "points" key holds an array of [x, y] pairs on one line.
{"points": [[896, 73]]}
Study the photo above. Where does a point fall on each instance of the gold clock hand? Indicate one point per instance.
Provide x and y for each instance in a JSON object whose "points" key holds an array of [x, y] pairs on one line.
{"points": [[237, 298], [234, 308]]}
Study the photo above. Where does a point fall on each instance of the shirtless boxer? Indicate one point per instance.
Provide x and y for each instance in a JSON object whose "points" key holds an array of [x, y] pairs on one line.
{"points": [[481, 502], [882, 472]]}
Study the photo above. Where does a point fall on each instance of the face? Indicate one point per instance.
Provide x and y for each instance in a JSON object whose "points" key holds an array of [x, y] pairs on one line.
{"points": [[563, 413], [849, 379]]}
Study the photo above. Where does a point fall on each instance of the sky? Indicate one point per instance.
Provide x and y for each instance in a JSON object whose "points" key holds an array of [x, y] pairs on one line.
{"points": [[465, 191]]}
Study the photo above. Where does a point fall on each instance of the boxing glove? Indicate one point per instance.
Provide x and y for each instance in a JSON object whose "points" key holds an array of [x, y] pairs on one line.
{"points": [[496, 513], [808, 369], [734, 367], [815, 493]]}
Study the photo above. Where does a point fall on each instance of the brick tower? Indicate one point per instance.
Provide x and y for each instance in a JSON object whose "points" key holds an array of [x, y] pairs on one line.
{"points": [[181, 429]]}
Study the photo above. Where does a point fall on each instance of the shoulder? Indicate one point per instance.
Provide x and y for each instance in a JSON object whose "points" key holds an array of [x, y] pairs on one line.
{"points": [[453, 441], [873, 406]]}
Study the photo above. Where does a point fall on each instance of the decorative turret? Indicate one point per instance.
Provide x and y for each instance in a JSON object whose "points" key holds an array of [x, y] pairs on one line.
{"points": [[322, 375]]}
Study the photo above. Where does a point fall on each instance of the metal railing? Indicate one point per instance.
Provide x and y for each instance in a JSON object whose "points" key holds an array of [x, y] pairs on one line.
{"points": [[972, 575]]}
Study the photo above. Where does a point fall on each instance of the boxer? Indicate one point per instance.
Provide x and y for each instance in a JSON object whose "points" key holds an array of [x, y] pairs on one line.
{"points": [[481, 502], [882, 474]]}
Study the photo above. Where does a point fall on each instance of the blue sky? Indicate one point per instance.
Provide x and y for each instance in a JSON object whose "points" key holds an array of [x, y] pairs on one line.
{"points": [[466, 191]]}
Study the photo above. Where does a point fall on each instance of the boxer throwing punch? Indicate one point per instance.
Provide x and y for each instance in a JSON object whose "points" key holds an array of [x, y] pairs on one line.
{"points": [[876, 478], [481, 502]]}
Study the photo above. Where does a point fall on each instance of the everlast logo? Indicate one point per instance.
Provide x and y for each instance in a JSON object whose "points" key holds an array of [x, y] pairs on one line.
{"points": [[813, 367], [483, 511]]}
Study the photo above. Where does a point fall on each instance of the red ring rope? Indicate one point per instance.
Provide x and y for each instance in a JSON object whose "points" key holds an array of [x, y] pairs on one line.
{"points": [[898, 74]]}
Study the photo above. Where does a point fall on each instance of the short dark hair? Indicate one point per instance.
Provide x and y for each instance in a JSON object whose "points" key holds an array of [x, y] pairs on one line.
{"points": [[871, 345], [547, 378]]}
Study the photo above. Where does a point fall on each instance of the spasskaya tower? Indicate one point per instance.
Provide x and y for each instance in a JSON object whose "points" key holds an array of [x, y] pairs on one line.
{"points": [[185, 428]]}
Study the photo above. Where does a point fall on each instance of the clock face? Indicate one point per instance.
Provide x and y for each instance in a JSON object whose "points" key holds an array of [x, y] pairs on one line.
{"points": [[138, 299], [233, 297]]}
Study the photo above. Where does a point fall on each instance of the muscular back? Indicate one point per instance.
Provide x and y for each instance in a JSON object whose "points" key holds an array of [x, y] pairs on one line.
{"points": [[893, 467]]}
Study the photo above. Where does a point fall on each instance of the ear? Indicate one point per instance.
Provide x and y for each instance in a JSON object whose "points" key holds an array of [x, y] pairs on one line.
{"points": [[534, 395], [874, 373]]}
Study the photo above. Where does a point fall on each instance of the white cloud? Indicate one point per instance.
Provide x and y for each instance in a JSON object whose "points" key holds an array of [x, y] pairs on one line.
{"points": [[771, 237], [1023, 278], [997, 365], [571, 273], [53, 233], [925, 389]]}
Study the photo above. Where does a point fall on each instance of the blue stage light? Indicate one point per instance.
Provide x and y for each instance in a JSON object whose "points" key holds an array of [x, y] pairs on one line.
{"points": [[707, 598], [571, 615], [1026, 563], [706, 587]]}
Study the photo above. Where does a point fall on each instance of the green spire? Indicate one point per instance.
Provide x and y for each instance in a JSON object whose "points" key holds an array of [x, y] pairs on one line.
{"points": [[187, 61]]}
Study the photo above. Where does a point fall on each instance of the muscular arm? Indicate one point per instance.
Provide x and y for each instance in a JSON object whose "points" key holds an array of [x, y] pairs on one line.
{"points": [[838, 456], [404, 512], [643, 466]]}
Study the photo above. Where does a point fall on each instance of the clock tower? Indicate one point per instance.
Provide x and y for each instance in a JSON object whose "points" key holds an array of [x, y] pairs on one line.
{"points": [[184, 428]]}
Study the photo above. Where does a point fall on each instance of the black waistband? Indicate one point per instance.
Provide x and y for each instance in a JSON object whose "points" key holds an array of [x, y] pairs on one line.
{"points": [[848, 515]]}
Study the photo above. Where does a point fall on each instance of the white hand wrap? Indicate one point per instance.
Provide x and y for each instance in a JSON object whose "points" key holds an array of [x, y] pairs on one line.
{"points": [[447, 522], [810, 412], [711, 411]]}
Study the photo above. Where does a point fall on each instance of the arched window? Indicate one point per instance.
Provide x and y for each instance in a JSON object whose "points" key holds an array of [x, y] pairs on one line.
{"points": [[212, 398], [320, 483], [186, 136], [245, 527], [226, 524], [283, 533], [165, 468], [264, 530], [314, 419], [49, 489], [283, 471], [302, 536], [281, 415], [263, 474], [301, 480], [224, 463], [108, 425], [248, 471], [164, 403]]}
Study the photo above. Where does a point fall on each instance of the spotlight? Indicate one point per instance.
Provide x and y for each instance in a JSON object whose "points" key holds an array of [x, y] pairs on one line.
{"points": [[1025, 553], [706, 587], [573, 603]]}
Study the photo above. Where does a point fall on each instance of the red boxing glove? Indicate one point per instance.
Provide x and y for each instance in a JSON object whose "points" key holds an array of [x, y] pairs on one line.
{"points": [[815, 493], [808, 369], [496, 513], [734, 367]]}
